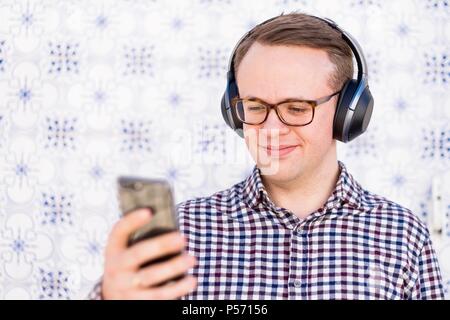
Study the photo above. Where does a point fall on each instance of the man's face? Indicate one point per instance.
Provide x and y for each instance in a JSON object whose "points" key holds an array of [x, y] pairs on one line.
{"points": [[277, 73]]}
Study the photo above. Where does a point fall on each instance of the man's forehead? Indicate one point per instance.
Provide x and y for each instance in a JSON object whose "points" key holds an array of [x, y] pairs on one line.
{"points": [[284, 72], [273, 91], [266, 56]]}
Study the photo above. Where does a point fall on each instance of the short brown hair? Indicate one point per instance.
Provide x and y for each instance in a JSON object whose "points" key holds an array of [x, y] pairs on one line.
{"points": [[299, 29]]}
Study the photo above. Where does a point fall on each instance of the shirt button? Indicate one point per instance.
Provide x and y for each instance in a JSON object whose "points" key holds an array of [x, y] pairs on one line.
{"points": [[297, 283], [300, 230]]}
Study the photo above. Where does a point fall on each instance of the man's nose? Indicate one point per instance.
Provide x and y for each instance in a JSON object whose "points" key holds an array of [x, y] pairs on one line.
{"points": [[273, 122]]}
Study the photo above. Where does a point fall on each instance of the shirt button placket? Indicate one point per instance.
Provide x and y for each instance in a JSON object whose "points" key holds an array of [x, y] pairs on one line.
{"points": [[300, 282]]}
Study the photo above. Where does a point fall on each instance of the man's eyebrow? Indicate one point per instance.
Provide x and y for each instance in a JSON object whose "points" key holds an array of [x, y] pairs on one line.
{"points": [[285, 99]]}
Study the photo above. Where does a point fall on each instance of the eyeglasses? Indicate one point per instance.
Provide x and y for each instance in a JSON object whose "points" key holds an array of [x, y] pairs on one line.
{"points": [[291, 112]]}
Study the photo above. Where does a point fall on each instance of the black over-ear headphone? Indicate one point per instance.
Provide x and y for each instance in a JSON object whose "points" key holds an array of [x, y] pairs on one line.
{"points": [[354, 107]]}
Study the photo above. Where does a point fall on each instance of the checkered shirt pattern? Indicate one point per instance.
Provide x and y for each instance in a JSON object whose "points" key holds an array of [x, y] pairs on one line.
{"points": [[358, 245]]}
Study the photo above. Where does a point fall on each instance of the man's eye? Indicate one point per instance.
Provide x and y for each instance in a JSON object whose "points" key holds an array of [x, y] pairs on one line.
{"points": [[295, 109], [255, 108]]}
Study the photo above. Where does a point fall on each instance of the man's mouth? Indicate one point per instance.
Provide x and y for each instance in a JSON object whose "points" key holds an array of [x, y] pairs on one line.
{"points": [[280, 150], [280, 147]]}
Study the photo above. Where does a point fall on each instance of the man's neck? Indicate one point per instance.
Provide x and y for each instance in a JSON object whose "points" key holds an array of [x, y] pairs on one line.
{"points": [[307, 193]]}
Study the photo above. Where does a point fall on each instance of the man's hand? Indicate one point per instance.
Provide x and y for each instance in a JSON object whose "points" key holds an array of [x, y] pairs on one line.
{"points": [[123, 279]]}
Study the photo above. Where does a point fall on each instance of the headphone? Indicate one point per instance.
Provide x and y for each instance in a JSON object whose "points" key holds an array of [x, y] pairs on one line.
{"points": [[355, 103]]}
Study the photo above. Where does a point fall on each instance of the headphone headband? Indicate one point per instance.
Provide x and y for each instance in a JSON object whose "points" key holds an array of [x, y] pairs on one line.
{"points": [[349, 39], [354, 46]]}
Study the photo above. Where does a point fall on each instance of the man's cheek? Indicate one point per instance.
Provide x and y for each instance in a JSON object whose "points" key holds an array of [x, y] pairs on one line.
{"points": [[254, 139]]}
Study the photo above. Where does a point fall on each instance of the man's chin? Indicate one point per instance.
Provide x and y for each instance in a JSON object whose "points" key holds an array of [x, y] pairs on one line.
{"points": [[277, 169]]}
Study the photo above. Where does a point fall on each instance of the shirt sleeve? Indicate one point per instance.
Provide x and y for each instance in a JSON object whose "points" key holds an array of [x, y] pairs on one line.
{"points": [[96, 292], [428, 284]]}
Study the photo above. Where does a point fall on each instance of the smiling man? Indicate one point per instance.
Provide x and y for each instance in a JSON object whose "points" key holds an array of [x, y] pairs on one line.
{"points": [[300, 226], [303, 157]]}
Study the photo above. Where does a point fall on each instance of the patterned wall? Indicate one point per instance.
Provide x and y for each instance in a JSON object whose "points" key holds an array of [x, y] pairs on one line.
{"points": [[90, 90]]}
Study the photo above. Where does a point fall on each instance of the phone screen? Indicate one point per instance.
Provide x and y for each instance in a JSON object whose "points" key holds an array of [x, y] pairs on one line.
{"points": [[156, 194], [135, 193]]}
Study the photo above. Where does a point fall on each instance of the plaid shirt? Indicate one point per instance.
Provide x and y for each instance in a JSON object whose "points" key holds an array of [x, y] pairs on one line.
{"points": [[358, 245]]}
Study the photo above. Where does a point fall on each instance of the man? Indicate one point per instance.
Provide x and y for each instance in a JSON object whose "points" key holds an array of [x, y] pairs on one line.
{"points": [[300, 226]]}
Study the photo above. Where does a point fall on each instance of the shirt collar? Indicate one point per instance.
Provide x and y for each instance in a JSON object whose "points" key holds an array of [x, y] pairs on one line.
{"points": [[347, 190]]}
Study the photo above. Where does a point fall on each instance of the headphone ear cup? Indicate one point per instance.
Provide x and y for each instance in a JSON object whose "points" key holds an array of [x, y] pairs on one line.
{"points": [[362, 114], [223, 108], [228, 114], [345, 98]]}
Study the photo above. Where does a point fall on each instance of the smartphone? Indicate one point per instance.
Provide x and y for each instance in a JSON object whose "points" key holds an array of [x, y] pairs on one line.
{"points": [[156, 194]]}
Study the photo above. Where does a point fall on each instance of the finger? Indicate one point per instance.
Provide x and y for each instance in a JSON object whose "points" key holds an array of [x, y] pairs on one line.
{"points": [[164, 271], [171, 290], [153, 248], [118, 238]]}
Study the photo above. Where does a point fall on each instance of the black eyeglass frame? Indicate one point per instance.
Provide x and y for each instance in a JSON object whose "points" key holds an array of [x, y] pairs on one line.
{"points": [[312, 103]]}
